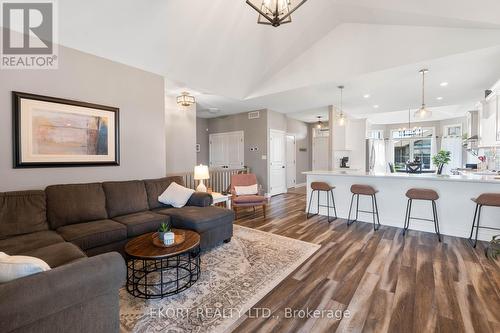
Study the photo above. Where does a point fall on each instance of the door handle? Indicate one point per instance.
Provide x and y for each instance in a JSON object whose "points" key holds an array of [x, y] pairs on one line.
{"points": [[283, 167]]}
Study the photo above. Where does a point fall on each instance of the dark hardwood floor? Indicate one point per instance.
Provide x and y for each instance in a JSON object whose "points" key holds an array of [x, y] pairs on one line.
{"points": [[387, 282]]}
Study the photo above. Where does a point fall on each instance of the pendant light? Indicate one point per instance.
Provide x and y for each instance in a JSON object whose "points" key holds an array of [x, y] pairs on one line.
{"points": [[423, 112], [319, 125], [341, 117], [275, 12]]}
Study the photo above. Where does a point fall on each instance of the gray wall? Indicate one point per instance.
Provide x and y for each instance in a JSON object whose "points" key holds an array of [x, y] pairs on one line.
{"points": [[83, 77], [202, 139], [303, 135], [180, 136], [255, 136]]}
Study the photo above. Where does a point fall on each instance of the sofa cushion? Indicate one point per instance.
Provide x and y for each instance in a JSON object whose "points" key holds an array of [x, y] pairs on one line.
{"points": [[24, 243], [22, 212], [16, 267], [125, 197], [75, 203], [249, 199], [141, 223], [198, 219], [155, 187], [57, 254], [92, 234]]}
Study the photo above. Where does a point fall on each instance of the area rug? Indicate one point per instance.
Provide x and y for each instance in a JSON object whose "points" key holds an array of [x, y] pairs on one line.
{"points": [[235, 276]]}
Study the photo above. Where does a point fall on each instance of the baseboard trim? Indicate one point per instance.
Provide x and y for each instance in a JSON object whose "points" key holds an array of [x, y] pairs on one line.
{"points": [[300, 185]]}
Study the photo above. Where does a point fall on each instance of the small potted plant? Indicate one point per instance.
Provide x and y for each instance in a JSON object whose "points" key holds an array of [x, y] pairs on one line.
{"points": [[165, 234], [441, 159], [493, 249], [164, 227]]}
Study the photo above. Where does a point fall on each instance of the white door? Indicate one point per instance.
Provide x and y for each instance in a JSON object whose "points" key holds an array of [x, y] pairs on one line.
{"points": [[320, 153], [227, 150], [277, 162], [290, 161]]}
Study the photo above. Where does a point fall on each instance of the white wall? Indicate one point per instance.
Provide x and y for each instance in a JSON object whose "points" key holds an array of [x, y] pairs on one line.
{"points": [[88, 78], [180, 126]]}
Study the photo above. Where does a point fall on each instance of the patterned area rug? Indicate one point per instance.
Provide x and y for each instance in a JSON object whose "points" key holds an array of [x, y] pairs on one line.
{"points": [[235, 276]]}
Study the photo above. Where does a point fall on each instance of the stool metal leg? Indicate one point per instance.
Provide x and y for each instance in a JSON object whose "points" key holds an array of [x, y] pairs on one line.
{"points": [[376, 210], [477, 225], [405, 227], [350, 209], [436, 221], [473, 223], [373, 212], [310, 201], [317, 212], [334, 206], [327, 207], [357, 206], [410, 202]]}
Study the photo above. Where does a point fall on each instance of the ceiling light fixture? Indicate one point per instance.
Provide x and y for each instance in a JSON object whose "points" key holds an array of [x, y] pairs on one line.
{"points": [[443, 84], [375, 106], [319, 125], [366, 96], [439, 98], [423, 112], [275, 12], [341, 117], [185, 99], [410, 132]]}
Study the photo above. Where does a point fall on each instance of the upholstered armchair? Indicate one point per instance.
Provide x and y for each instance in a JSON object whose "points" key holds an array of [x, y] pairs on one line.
{"points": [[244, 183]]}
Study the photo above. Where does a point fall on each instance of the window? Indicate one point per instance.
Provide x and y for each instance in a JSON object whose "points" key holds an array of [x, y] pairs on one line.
{"points": [[414, 148], [376, 134], [452, 130]]}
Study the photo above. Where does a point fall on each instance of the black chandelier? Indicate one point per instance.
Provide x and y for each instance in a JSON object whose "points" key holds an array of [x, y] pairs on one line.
{"points": [[275, 12]]}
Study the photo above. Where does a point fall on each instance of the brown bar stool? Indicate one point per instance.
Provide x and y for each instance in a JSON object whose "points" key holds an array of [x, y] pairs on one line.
{"points": [[488, 200], [422, 194], [323, 187], [358, 189]]}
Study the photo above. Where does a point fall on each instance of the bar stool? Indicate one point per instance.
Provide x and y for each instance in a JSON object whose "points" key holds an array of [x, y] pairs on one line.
{"points": [[323, 187], [422, 194], [358, 189], [488, 200]]}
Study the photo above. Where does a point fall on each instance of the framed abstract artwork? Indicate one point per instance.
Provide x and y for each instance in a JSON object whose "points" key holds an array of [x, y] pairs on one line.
{"points": [[55, 132]]}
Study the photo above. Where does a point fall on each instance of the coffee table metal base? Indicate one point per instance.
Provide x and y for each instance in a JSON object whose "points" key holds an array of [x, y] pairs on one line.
{"points": [[158, 278]]}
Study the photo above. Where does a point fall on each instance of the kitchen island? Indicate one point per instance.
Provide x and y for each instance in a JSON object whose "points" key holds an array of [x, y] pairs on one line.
{"points": [[455, 208]]}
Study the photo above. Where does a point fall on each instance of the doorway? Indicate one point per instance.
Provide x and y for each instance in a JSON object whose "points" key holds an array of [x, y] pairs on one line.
{"points": [[277, 162], [291, 167]]}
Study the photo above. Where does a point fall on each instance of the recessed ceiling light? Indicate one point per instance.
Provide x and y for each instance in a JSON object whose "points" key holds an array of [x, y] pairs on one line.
{"points": [[443, 84], [366, 96], [375, 106], [439, 98]]}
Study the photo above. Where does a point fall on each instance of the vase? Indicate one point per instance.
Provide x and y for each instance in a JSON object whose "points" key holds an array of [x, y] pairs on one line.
{"points": [[168, 238], [440, 169]]}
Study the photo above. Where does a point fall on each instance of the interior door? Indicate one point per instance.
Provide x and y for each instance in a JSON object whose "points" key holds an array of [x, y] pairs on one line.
{"points": [[277, 162], [291, 168], [320, 153]]}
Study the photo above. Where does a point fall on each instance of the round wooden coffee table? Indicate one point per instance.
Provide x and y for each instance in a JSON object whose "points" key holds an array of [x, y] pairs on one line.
{"points": [[157, 272]]}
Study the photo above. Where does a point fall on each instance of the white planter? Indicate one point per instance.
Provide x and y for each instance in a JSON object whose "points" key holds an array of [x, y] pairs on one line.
{"points": [[168, 238]]}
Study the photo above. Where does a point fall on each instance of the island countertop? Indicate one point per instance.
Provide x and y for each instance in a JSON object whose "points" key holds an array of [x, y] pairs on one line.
{"points": [[455, 207], [424, 176]]}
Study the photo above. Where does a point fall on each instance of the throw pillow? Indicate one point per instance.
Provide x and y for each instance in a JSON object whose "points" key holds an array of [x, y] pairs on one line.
{"points": [[15, 267], [246, 190], [176, 195]]}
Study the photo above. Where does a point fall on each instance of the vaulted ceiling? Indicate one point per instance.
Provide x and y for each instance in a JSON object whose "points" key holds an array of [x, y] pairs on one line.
{"points": [[216, 50]]}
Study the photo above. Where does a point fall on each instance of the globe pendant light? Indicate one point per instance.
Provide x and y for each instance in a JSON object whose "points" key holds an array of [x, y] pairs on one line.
{"points": [[341, 118], [275, 12], [423, 112]]}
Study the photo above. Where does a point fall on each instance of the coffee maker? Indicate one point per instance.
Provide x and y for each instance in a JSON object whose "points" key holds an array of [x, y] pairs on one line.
{"points": [[343, 162]]}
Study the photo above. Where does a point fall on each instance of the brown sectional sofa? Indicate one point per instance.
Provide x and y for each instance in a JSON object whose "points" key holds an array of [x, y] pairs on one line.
{"points": [[65, 225]]}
